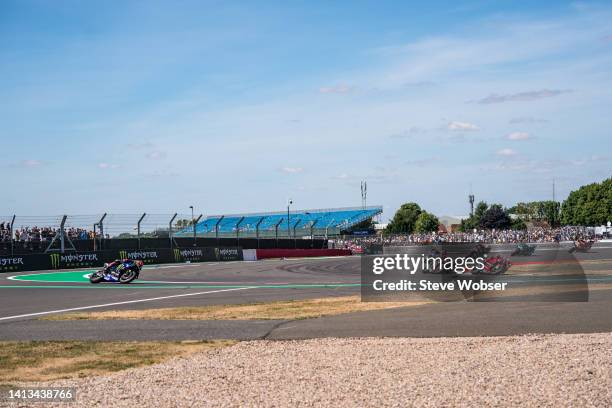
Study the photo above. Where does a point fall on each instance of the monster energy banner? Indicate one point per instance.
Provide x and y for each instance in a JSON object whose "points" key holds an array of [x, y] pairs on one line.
{"points": [[207, 254], [76, 260], [70, 260], [12, 263], [228, 254], [150, 256]]}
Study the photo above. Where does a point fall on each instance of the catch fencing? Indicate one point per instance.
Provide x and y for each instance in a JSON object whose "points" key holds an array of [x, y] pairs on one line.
{"points": [[20, 235]]}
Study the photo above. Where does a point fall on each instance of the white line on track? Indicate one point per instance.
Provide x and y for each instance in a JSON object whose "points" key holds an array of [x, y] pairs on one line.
{"points": [[72, 309]]}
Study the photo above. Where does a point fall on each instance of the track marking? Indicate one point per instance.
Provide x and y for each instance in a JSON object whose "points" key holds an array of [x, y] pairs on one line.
{"points": [[127, 302], [135, 286]]}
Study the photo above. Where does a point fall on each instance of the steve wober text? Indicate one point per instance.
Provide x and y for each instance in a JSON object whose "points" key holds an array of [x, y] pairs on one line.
{"points": [[425, 285]]}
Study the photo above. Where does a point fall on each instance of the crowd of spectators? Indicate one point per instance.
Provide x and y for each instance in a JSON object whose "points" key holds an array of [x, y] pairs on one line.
{"points": [[5, 231], [539, 234], [33, 237]]}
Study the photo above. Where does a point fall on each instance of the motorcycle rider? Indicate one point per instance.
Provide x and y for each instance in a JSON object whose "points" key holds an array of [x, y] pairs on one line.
{"points": [[119, 265]]}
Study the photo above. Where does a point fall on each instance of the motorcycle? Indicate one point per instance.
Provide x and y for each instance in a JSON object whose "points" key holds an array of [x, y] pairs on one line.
{"points": [[523, 250], [581, 246], [493, 265], [124, 271]]}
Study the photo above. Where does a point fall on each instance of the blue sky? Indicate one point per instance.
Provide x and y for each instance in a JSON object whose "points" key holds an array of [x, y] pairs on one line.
{"points": [[234, 106]]}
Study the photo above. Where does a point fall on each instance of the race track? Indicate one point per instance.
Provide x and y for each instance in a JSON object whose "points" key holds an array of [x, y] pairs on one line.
{"points": [[28, 296]]}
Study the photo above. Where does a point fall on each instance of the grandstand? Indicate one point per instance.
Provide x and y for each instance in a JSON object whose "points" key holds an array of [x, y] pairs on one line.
{"points": [[296, 223]]}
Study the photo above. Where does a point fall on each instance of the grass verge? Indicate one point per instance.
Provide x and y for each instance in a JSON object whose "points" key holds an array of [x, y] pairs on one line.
{"points": [[51, 360], [280, 310]]}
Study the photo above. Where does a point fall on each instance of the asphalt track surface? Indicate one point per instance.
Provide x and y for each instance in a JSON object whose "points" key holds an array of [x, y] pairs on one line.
{"points": [[26, 297]]}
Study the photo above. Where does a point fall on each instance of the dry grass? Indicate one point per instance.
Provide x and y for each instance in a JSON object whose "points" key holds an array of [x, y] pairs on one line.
{"points": [[51, 360], [281, 310]]}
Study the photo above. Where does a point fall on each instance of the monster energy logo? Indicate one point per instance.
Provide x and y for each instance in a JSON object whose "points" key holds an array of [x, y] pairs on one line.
{"points": [[189, 254], [73, 259], [11, 261], [55, 261], [123, 254]]}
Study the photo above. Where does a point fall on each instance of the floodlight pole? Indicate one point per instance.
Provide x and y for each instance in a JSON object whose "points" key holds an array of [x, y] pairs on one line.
{"points": [[195, 222], [217, 228], [170, 228], [257, 230]]}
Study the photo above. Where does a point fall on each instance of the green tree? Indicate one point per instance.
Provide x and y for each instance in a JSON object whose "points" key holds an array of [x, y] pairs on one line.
{"points": [[518, 224], [589, 205], [404, 219], [474, 220], [495, 218], [426, 222]]}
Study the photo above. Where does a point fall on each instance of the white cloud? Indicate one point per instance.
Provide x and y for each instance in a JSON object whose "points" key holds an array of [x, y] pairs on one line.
{"points": [[462, 126], [518, 136], [506, 152], [292, 170]]}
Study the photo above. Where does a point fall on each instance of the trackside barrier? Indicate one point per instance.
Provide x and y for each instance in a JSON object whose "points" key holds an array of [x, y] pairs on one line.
{"points": [[249, 254], [300, 253], [36, 262]]}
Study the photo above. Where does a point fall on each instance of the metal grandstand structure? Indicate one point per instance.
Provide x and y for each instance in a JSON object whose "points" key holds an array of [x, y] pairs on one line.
{"points": [[293, 224]]}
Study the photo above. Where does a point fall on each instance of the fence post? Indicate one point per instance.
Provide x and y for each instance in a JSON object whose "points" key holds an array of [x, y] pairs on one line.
{"points": [[195, 222], [276, 230], [101, 224], [12, 238], [138, 228], [238, 230], [217, 228], [327, 227], [94, 236], [170, 228], [257, 230], [63, 233], [295, 236], [312, 224]]}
